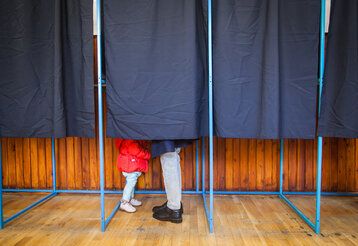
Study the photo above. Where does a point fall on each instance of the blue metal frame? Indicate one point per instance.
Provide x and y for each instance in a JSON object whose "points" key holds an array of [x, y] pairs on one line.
{"points": [[104, 221], [197, 165], [54, 171], [29, 207], [147, 192], [316, 225], [187, 192], [209, 211], [203, 165], [53, 192], [204, 193]]}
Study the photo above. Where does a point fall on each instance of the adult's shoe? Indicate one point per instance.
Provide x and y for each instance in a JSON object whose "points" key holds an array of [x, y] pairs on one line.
{"points": [[164, 205], [167, 214]]}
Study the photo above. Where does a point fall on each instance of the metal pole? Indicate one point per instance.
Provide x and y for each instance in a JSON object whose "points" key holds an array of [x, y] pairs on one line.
{"points": [[197, 164], [100, 112], [49, 196], [1, 202], [282, 143], [211, 128], [320, 139], [322, 53], [191, 192], [203, 174], [54, 173]]}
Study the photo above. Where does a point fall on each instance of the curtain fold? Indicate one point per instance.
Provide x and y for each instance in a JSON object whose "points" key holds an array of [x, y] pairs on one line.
{"points": [[339, 115], [265, 68], [46, 75], [155, 59]]}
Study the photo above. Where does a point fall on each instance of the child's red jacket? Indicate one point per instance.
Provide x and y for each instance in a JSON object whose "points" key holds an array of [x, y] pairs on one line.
{"points": [[133, 155]]}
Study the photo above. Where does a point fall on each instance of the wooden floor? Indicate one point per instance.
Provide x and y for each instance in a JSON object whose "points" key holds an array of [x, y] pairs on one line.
{"points": [[239, 220]]}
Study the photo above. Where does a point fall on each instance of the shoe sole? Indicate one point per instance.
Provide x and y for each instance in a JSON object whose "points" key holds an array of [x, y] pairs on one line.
{"points": [[176, 221], [158, 209], [127, 211]]}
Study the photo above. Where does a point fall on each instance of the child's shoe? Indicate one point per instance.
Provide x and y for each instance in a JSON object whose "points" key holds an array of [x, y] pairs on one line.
{"points": [[126, 206], [135, 202]]}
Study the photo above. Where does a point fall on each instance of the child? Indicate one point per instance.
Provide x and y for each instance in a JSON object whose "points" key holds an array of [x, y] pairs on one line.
{"points": [[132, 160]]}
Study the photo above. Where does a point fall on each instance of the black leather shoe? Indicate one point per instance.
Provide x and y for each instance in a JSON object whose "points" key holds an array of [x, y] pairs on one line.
{"points": [[164, 205], [167, 214]]}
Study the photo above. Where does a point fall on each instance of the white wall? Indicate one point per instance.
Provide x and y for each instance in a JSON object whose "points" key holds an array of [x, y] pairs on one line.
{"points": [[328, 13], [94, 18]]}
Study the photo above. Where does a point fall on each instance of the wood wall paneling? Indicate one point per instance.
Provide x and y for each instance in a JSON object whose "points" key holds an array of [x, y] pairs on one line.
{"points": [[240, 164]]}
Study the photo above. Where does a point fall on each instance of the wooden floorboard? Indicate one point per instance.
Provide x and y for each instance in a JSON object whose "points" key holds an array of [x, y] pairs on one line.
{"points": [[239, 220]]}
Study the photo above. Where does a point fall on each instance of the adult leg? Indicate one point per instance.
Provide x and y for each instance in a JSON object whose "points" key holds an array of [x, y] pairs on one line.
{"points": [[172, 178], [172, 209]]}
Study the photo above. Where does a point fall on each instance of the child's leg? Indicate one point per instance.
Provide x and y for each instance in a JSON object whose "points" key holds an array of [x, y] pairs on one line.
{"points": [[132, 195], [131, 181], [138, 174]]}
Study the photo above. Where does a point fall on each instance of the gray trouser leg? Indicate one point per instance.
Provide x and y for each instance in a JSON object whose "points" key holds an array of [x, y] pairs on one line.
{"points": [[172, 178]]}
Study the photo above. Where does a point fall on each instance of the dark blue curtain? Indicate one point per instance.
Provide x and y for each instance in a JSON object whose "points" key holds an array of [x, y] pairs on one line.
{"points": [[265, 68], [46, 68], [155, 58], [339, 116]]}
